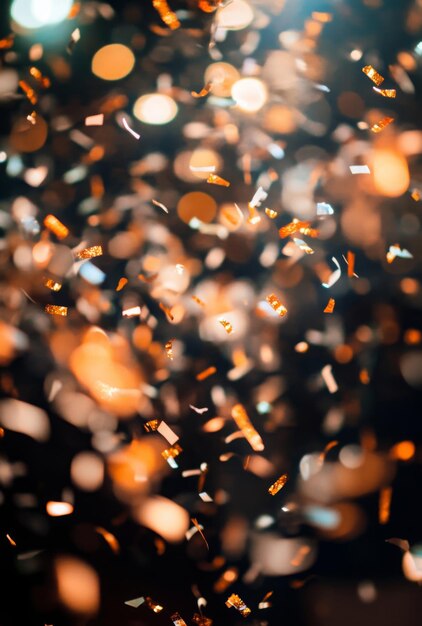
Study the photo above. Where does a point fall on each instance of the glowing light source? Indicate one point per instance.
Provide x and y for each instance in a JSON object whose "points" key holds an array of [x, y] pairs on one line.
{"points": [[155, 108], [113, 62], [236, 15], [250, 94], [39, 13]]}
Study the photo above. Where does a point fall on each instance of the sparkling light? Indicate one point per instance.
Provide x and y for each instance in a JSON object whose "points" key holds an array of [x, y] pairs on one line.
{"points": [[155, 108], [250, 94], [39, 13]]}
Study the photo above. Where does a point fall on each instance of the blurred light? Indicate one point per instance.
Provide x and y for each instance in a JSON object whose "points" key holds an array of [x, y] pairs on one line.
{"points": [[391, 173], [78, 586], [113, 62], [250, 94], [155, 108], [356, 55], [87, 471], [164, 517], [222, 76], [58, 509], [351, 456], [323, 517], [412, 567], [236, 15], [92, 273], [403, 451], [38, 13]]}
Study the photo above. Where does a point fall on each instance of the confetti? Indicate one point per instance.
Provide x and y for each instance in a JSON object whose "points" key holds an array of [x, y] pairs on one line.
{"points": [[169, 349], [276, 304], [373, 75], [204, 91], [235, 601], [10, 540], [271, 213], [202, 168], [167, 15], [243, 422], [55, 226], [395, 251], [122, 282], [7, 42], [227, 578], [278, 485], [178, 620], [200, 530], [168, 434], [154, 606], [350, 264], [95, 120], [292, 227], [335, 276], [217, 180], [206, 373], [227, 326], [302, 245], [359, 169], [386, 93], [28, 91], [330, 306], [53, 309], [327, 375], [136, 602], [416, 195], [52, 284], [323, 208], [198, 301], [379, 126], [264, 604], [200, 411], [133, 311], [162, 206], [167, 311], [201, 620], [110, 539], [170, 454], [90, 253], [129, 129], [384, 505]]}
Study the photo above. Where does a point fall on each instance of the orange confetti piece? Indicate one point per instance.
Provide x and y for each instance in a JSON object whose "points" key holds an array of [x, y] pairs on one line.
{"points": [[10, 540], [384, 505], [95, 120], [373, 75], [53, 309], [167, 311], [226, 579], [167, 15], [330, 306], [206, 373], [227, 326], [74, 11], [213, 179], [198, 300], [7, 42], [29, 92], [294, 227], [350, 264], [178, 620], [330, 445], [204, 91], [199, 529], [244, 424], [271, 213], [235, 601], [387, 93], [42, 80], [109, 538], [379, 126], [416, 195], [122, 282], [170, 454], [276, 304], [132, 312], [209, 6], [52, 284], [264, 604], [90, 253], [55, 226], [278, 485]]}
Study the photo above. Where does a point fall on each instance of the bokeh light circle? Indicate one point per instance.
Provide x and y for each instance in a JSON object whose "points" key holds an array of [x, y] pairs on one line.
{"points": [[113, 62], [155, 108]]}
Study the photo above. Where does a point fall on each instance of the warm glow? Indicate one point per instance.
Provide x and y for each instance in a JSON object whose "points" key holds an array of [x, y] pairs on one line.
{"points": [[58, 509], [87, 471], [164, 517], [250, 94], [391, 173], [222, 76], [155, 108], [78, 586], [236, 15], [403, 451], [113, 62]]}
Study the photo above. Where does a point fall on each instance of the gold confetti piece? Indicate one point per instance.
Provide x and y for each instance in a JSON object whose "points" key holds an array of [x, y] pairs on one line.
{"points": [[53, 309], [109, 538], [416, 195], [198, 301], [387, 93], [384, 505], [395, 251], [275, 304], [132, 312], [201, 620], [200, 411], [227, 326], [243, 422], [217, 180], [95, 120], [302, 245], [199, 528], [209, 6], [170, 454], [330, 445], [169, 349], [166, 14], [90, 253], [329, 379], [129, 129], [7, 42], [204, 91], [29, 92], [235, 601], [10, 540], [379, 126], [122, 282], [350, 263], [271, 213], [264, 604], [330, 306], [42, 80], [293, 227], [58, 509], [178, 620], [254, 216], [226, 579], [154, 606], [162, 206], [52, 284], [32, 117], [167, 311], [206, 373], [373, 75], [152, 425], [278, 485]]}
